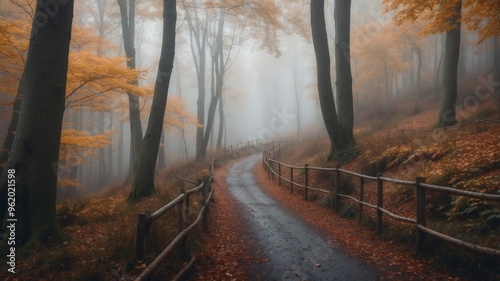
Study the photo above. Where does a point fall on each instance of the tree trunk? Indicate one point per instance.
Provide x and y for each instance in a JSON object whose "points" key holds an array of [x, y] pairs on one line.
{"points": [[496, 70], [11, 131], [447, 115], [161, 151], [325, 91], [143, 183], [342, 13], [128, 31], [103, 173], [419, 70], [183, 131], [35, 151], [442, 40], [221, 123], [218, 61], [198, 35]]}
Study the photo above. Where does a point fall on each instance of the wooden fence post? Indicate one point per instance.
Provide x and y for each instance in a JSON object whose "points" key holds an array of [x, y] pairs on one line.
{"points": [[380, 203], [204, 200], [361, 198], [306, 180], [187, 211], [279, 173], [268, 167], [420, 212], [140, 237], [272, 172], [291, 180], [180, 217], [336, 189]]}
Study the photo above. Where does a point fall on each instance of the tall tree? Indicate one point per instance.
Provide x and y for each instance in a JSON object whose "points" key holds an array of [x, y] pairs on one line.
{"points": [[448, 16], [218, 70], [342, 13], [127, 12], [496, 70], [35, 151], [320, 41], [447, 115], [198, 30], [143, 182]]}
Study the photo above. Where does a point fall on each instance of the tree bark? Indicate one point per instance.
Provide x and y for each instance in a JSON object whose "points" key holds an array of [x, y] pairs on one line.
{"points": [[325, 91], [342, 13], [221, 123], [496, 70], [127, 13], [161, 151], [419, 70], [218, 61], [35, 151], [198, 35], [143, 183], [447, 115], [11, 131]]}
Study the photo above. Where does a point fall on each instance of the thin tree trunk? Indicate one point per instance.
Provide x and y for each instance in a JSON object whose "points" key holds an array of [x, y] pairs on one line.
{"points": [[496, 70], [218, 60], [221, 123], [440, 64], [198, 32], [9, 138], [161, 151], [447, 115], [419, 69], [127, 13], [120, 149], [183, 133], [143, 183], [35, 151]]}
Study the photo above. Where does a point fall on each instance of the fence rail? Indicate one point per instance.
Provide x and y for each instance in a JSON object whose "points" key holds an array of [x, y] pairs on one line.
{"points": [[274, 168], [182, 202]]}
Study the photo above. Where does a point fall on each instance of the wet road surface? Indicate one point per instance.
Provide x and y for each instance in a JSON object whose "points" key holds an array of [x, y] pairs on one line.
{"points": [[292, 249]]}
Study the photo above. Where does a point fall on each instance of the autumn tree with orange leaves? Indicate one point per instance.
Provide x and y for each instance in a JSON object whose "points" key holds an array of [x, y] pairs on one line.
{"points": [[448, 16]]}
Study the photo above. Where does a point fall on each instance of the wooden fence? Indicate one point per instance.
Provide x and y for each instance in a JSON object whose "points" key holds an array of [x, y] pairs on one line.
{"points": [[274, 168], [232, 149], [182, 202]]}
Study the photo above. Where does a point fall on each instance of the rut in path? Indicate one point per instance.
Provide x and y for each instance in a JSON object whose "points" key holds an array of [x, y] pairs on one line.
{"points": [[293, 250]]}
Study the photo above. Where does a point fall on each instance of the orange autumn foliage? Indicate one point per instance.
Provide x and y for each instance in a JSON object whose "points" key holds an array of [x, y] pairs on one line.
{"points": [[479, 15]]}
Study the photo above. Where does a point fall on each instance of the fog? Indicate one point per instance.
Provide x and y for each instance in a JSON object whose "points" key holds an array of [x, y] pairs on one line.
{"points": [[269, 86]]}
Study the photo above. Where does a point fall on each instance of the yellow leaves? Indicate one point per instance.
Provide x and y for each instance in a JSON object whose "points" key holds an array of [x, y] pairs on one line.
{"points": [[76, 146], [14, 35], [176, 115], [91, 76], [479, 15]]}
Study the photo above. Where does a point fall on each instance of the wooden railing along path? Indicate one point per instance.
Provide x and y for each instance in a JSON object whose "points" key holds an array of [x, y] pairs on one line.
{"points": [[182, 202], [274, 168]]}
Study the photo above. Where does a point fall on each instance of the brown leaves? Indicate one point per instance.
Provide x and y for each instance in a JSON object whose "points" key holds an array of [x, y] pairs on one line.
{"points": [[226, 251], [390, 258]]}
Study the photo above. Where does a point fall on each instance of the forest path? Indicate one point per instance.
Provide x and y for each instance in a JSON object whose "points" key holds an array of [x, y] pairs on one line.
{"points": [[292, 250]]}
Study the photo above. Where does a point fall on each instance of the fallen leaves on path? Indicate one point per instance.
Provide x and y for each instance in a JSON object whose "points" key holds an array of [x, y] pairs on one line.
{"points": [[390, 258], [226, 252]]}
